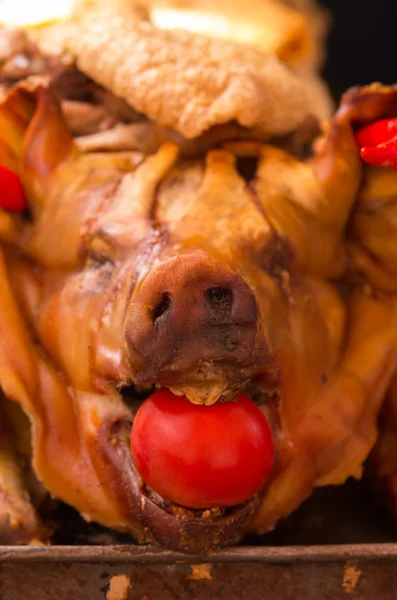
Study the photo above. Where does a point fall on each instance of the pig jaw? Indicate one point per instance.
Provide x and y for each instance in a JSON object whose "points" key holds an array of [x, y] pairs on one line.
{"points": [[175, 527], [194, 326]]}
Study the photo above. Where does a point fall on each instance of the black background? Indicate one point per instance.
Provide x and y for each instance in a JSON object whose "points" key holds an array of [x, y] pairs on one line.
{"points": [[362, 45]]}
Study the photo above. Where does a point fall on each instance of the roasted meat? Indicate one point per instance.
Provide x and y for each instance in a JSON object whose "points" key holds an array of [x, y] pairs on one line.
{"points": [[110, 236], [177, 238], [297, 37]]}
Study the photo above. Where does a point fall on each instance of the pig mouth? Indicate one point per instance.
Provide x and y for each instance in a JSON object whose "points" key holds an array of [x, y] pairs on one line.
{"points": [[193, 327], [175, 527]]}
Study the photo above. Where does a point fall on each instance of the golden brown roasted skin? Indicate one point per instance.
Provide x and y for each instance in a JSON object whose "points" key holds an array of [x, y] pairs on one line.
{"points": [[112, 283]]}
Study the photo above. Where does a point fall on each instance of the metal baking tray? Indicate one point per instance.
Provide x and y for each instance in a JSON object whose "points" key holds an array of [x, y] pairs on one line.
{"points": [[339, 545]]}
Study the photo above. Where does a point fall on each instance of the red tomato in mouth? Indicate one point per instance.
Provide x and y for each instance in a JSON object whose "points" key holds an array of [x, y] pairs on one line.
{"points": [[202, 456]]}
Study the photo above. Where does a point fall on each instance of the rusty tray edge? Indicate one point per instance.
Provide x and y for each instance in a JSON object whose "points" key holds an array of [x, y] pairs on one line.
{"points": [[136, 554]]}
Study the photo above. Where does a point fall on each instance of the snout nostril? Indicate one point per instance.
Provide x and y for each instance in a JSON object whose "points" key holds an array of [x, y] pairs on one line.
{"points": [[162, 308], [220, 298], [191, 311]]}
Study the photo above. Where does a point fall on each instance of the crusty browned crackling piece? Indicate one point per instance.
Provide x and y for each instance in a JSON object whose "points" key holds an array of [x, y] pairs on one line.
{"points": [[296, 37], [99, 120], [181, 80], [293, 31], [114, 234]]}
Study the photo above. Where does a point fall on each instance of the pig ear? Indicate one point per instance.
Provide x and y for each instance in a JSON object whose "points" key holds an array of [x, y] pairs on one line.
{"points": [[34, 139], [16, 111], [47, 143], [337, 164]]}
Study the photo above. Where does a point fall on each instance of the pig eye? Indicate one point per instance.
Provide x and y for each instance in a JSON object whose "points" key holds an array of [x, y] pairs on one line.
{"points": [[96, 262], [98, 253], [220, 298]]}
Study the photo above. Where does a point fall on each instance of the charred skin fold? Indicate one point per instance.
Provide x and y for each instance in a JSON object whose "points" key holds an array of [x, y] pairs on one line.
{"points": [[109, 283]]}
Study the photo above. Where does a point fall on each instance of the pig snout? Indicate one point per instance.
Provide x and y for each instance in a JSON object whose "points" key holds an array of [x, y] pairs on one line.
{"points": [[189, 311]]}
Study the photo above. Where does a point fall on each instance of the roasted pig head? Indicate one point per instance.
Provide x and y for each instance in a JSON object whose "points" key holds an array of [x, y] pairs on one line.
{"points": [[228, 272]]}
